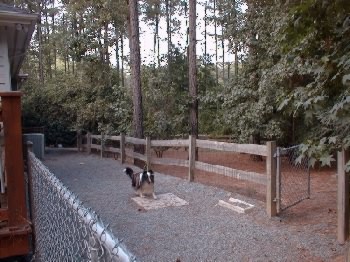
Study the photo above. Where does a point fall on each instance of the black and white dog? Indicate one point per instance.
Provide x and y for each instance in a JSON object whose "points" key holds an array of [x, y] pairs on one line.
{"points": [[142, 182]]}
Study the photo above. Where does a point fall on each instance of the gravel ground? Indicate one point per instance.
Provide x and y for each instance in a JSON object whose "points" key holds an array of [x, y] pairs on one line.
{"points": [[200, 231]]}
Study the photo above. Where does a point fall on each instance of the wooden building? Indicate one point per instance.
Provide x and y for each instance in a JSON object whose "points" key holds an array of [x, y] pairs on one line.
{"points": [[16, 29]]}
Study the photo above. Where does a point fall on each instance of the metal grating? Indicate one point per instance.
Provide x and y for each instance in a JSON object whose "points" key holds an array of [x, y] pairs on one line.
{"points": [[293, 178]]}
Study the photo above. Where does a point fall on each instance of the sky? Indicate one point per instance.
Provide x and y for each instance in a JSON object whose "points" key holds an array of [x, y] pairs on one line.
{"points": [[147, 35]]}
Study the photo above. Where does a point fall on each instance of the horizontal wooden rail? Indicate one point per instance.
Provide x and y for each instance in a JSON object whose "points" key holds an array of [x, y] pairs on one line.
{"points": [[95, 146], [234, 173], [253, 149], [135, 155], [135, 141], [111, 149], [170, 162], [113, 138], [170, 143]]}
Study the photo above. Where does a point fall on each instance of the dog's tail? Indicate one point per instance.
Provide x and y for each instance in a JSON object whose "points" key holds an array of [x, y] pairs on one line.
{"points": [[129, 171]]}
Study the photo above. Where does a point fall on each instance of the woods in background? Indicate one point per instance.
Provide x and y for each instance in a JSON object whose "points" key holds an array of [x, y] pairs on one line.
{"points": [[289, 79]]}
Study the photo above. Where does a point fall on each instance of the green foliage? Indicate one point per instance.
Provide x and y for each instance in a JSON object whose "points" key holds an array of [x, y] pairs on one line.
{"points": [[43, 107], [83, 101], [316, 60], [166, 98], [210, 101], [250, 103], [293, 84]]}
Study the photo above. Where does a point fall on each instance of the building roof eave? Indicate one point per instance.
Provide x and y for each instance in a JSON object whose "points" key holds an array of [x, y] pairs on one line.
{"points": [[19, 27]]}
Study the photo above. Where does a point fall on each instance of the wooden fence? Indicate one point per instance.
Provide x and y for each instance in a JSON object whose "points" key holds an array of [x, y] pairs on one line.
{"points": [[343, 198], [98, 142]]}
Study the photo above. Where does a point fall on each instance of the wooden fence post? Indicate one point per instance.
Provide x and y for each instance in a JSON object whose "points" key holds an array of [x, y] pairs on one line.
{"points": [[102, 144], [79, 141], [342, 198], [148, 153], [88, 142], [122, 147], [191, 157], [278, 180], [271, 166], [14, 238]]}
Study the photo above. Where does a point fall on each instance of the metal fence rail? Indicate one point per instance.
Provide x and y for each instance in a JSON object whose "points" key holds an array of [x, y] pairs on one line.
{"points": [[64, 230], [293, 177]]}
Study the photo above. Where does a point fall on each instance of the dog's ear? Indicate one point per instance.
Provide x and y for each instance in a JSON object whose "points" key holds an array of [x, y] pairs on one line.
{"points": [[150, 171], [152, 177]]}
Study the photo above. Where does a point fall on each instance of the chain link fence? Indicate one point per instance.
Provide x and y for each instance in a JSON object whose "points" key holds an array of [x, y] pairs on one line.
{"points": [[65, 230], [293, 177]]}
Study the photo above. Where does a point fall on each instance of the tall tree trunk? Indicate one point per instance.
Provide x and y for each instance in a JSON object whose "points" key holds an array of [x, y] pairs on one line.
{"points": [[157, 33], [106, 43], [122, 60], [236, 60], [216, 45], [228, 71], [135, 63], [135, 68], [168, 29], [117, 36], [205, 32], [41, 65], [100, 46], [64, 54], [193, 69], [155, 41], [223, 53], [47, 42], [54, 43], [75, 35], [236, 42]]}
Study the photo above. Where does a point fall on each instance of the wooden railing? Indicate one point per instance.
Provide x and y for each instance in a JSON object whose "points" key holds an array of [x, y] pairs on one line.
{"points": [[98, 142], [15, 227]]}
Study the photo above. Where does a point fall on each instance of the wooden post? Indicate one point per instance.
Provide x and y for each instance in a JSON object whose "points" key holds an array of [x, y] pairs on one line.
{"points": [[278, 180], [271, 164], [11, 113], [14, 238], [122, 147], [32, 211], [88, 142], [102, 144], [191, 157], [342, 198], [79, 141], [148, 153]]}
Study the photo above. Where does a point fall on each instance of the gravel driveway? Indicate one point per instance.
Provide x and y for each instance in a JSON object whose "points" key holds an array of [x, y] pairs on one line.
{"points": [[200, 231]]}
